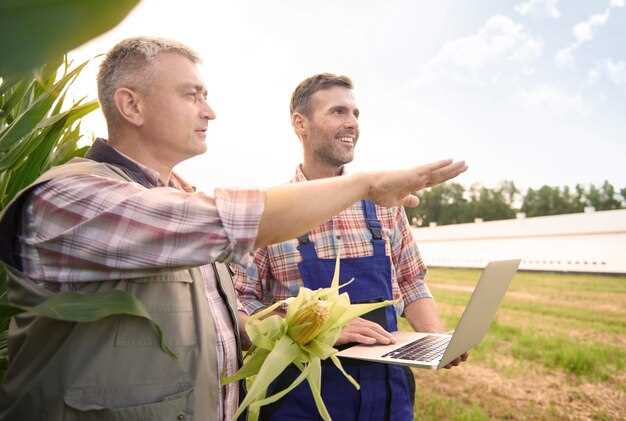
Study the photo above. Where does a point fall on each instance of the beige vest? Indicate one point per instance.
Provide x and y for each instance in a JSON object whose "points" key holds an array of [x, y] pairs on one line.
{"points": [[114, 369]]}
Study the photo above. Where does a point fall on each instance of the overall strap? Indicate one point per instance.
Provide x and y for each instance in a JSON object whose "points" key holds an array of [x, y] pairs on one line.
{"points": [[375, 227], [306, 247]]}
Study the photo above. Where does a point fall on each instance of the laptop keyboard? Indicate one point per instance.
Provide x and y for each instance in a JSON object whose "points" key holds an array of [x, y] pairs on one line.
{"points": [[427, 348]]}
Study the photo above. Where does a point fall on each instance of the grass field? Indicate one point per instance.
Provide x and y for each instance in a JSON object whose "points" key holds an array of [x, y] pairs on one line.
{"points": [[557, 351]]}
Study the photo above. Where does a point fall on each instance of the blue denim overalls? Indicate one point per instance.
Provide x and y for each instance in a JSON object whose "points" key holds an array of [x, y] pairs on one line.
{"points": [[387, 391]]}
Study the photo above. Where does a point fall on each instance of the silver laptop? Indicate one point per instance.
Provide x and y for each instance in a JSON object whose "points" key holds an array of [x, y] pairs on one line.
{"points": [[430, 350]]}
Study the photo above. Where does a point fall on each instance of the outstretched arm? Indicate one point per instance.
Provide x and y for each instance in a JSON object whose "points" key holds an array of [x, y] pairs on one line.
{"points": [[293, 209]]}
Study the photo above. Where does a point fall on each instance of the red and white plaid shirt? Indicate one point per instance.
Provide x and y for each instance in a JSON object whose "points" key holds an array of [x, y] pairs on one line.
{"points": [[274, 275], [86, 228]]}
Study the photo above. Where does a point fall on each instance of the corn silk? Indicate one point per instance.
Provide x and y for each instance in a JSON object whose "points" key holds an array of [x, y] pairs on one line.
{"points": [[304, 337]]}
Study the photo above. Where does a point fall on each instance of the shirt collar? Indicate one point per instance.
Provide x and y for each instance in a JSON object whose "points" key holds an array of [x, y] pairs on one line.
{"points": [[101, 151], [299, 176]]}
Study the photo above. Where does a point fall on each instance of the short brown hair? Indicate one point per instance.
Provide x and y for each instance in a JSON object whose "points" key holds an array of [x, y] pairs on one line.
{"points": [[301, 97]]}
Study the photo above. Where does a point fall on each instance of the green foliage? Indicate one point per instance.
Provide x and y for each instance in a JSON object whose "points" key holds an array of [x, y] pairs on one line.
{"points": [[434, 407], [37, 130], [594, 361], [75, 307], [451, 203], [33, 32]]}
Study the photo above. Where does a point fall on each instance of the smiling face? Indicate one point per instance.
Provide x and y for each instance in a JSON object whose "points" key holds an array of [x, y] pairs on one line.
{"points": [[176, 113], [331, 127]]}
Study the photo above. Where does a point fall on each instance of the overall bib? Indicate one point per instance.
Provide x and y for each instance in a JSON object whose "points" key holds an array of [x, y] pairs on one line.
{"points": [[387, 391]]}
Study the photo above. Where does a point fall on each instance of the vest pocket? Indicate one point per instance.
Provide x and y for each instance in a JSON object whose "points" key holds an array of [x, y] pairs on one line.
{"points": [[171, 408]]}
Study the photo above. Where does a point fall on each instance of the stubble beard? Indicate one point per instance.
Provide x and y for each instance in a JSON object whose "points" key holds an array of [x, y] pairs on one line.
{"points": [[330, 153]]}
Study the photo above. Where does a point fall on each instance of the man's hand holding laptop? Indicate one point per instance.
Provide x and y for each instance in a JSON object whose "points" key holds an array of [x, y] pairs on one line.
{"points": [[366, 332]]}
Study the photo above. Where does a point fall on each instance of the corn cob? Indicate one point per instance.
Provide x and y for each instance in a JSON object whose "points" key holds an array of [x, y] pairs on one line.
{"points": [[307, 322]]}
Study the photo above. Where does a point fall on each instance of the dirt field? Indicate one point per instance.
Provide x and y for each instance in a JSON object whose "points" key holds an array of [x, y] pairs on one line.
{"points": [[557, 351]]}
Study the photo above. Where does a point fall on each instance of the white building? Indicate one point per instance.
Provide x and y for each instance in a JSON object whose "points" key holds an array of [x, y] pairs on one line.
{"points": [[581, 242]]}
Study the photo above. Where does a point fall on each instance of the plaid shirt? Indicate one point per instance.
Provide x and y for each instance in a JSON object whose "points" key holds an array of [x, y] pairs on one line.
{"points": [[274, 275], [88, 228]]}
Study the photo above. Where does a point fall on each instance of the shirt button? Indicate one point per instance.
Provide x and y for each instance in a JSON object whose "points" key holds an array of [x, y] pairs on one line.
{"points": [[180, 417]]}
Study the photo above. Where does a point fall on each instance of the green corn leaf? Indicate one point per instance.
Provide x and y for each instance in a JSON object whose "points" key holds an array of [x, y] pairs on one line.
{"points": [[7, 311], [59, 105], [357, 310], [33, 32], [26, 122], [266, 332], [31, 118], [320, 349], [283, 354], [17, 94], [315, 382], [339, 366], [74, 113], [7, 83], [250, 368], [15, 156], [65, 148], [47, 74], [75, 307], [266, 311], [37, 157], [255, 408]]}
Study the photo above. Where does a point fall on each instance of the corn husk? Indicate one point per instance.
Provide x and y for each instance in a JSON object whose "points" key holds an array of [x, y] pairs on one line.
{"points": [[304, 337]]}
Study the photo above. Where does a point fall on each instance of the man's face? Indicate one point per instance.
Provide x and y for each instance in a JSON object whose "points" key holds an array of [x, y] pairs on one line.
{"points": [[332, 127], [176, 113]]}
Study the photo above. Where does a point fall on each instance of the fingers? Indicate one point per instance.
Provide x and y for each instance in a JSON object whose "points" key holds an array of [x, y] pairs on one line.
{"points": [[433, 166], [394, 188], [365, 332], [446, 173], [410, 201], [457, 361]]}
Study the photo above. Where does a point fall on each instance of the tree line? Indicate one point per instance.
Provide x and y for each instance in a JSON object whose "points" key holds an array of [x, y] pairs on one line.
{"points": [[452, 203]]}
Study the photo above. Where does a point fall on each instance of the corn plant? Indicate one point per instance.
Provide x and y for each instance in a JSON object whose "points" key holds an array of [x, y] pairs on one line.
{"points": [[33, 32], [37, 130]]}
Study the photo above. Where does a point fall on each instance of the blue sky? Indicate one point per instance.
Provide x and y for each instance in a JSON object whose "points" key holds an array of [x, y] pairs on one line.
{"points": [[532, 91]]}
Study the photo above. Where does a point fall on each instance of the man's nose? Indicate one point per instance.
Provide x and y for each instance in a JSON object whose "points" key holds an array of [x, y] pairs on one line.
{"points": [[207, 111], [352, 122]]}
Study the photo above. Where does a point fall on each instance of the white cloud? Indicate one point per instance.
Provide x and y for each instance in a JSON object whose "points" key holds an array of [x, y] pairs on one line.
{"points": [[539, 8], [583, 32], [616, 72], [549, 99], [594, 75], [608, 71], [565, 56], [484, 56]]}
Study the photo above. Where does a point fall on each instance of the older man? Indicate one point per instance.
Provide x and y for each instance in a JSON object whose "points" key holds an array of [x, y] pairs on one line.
{"points": [[379, 253], [121, 219]]}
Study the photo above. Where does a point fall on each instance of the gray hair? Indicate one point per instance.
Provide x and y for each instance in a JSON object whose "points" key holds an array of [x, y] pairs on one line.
{"points": [[127, 65]]}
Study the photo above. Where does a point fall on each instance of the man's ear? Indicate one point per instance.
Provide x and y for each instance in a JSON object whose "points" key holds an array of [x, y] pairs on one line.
{"points": [[129, 106], [299, 123]]}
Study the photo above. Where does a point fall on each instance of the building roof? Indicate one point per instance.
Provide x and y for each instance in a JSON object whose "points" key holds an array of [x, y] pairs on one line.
{"points": [[588, 223]]}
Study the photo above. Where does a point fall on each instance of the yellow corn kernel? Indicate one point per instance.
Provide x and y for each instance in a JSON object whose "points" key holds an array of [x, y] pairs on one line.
{"points": [[307, 321]]}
